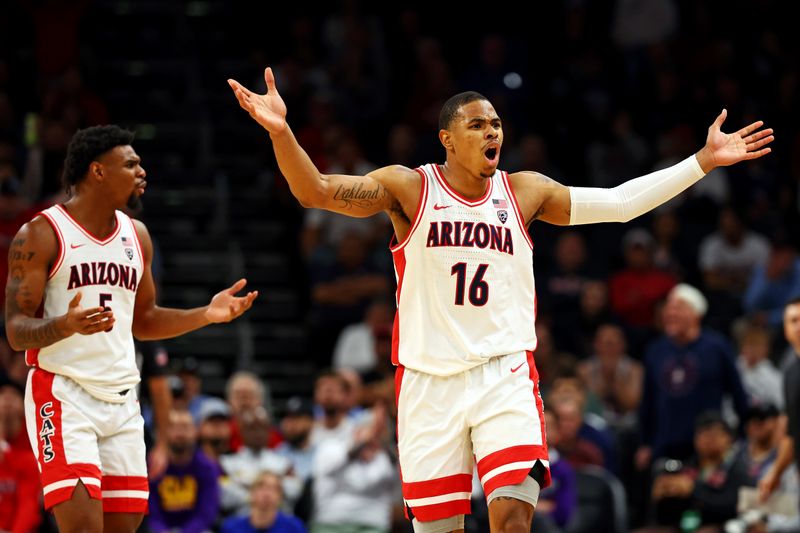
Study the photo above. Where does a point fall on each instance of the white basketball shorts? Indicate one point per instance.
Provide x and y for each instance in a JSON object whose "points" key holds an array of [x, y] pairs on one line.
{"points": [[491, 414], [77, 437]]}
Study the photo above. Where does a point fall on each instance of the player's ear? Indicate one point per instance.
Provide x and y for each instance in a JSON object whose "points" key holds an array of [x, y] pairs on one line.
{"points": [[446, 139], [96, 170]]}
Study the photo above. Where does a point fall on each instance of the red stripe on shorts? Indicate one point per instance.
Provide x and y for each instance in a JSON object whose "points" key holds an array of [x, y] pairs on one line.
{"points": [[125, 505], [125, 483], [439, 511], [437, 487]]}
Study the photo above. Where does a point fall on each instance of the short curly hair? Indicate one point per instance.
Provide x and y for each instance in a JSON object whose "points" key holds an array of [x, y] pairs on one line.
{"points": [[86, 146], [453, 104]]}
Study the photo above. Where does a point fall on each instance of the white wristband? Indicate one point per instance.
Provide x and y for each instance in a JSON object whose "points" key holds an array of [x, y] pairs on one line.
{"points": [[632, 198]]}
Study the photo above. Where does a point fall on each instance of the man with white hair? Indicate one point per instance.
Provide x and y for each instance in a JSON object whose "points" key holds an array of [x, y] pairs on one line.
{"points": [[687, 371]]}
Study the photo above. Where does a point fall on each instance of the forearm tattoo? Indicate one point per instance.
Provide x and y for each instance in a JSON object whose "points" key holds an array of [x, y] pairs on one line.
{"points": [[29, 332], [359, 196]]}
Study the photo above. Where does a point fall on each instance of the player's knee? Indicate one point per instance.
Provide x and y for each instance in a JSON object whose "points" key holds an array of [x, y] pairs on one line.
{"points": [[444, 525], [508, 515]]}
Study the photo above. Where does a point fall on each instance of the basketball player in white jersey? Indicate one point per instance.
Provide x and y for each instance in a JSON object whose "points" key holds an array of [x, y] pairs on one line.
{"points": [[79, 289], [466, 384]]}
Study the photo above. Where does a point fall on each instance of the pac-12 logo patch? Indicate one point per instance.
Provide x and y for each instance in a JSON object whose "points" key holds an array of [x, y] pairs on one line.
{"points": [[129, 253], [47, 431], [502, 215]]}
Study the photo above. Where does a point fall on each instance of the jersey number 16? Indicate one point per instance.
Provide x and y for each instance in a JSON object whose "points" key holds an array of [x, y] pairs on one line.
{"points": [[478, 287]]}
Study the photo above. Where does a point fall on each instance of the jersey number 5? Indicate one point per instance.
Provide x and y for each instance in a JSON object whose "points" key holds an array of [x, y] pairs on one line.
{"points": [[478, 288], [104, 299]]}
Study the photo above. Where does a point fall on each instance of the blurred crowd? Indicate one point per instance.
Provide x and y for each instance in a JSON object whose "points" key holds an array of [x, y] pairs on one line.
{"points": [[662, 343]]}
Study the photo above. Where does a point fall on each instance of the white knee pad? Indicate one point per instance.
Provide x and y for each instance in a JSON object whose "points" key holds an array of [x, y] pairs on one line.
{"points": [[527, 491], [445, 525]]}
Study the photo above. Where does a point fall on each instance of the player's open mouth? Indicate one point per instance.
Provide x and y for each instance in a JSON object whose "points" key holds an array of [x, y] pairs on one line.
{"points": [[140, 187], [492, 154]]}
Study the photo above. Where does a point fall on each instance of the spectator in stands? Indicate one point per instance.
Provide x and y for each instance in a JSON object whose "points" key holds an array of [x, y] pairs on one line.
{"points": [[341, 291], [186, 496], [762, 382], [355, 347], [773, 284], [253, 457], [188, 370], [708, 483], [265, 515], [687, 371], [613, 377], [156, 398], [296, 425], [330, 394], [728, 256], [12, 415], [561, 286], [20, 491], [354, 480], [636, 290], [558, 502], [760, 447], [215, 429], [379, 383], [245, 391], [354, 395], [576, 450], [593, 311], [672, 254]]}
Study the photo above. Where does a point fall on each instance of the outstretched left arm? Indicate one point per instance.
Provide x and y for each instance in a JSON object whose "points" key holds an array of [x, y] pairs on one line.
{"points": [[555, 203], [151, 322]]}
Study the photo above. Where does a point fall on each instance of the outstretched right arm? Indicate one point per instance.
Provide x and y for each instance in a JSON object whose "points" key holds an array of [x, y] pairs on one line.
{"points": [[356, 196], [32, 251]]}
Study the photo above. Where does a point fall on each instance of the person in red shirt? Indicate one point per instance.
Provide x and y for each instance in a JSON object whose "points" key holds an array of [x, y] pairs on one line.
{"points": [[20, 508], [636, 290]]}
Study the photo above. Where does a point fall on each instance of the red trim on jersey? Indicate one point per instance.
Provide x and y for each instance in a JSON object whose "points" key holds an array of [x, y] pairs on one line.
{"points": [[61, 246], [96, 240], [452, 192], [439, 511], [517, 212], [437, 487], [138, 245], [400, 269], [125, 505], [423, 198]]}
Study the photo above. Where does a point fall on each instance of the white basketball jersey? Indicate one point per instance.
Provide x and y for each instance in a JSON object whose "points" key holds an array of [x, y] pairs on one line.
{"points": [[465, 287], [107, 272]]}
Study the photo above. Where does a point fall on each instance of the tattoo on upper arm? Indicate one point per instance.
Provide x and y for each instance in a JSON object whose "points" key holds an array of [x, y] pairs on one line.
{"points": [[359, 196], [15, 252]]}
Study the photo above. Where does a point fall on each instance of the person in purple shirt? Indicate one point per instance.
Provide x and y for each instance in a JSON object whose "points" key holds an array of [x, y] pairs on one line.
{"points": [[266, 498], [558, 502], [185, 497]]}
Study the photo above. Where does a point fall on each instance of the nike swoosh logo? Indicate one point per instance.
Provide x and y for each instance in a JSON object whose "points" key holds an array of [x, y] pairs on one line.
{"points": [[515, 369], [73, 246], [438, 207]]}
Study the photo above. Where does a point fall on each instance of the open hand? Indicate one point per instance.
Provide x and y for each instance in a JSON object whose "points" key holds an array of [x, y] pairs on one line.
{"points": [[724, 149], [86, 321], [225, 305], [267, 109]]}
